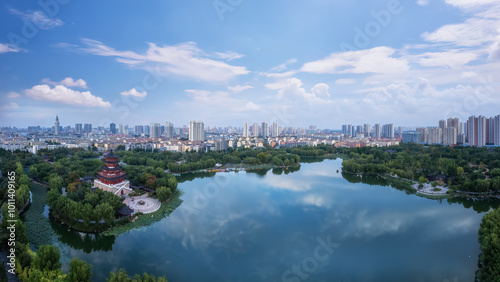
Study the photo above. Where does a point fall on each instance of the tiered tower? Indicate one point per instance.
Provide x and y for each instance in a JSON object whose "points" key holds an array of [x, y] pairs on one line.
{"points": [[112, 177], [112, 172]]}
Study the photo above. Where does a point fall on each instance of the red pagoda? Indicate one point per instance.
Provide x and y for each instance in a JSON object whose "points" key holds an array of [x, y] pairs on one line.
{"points": [[112, 177]]}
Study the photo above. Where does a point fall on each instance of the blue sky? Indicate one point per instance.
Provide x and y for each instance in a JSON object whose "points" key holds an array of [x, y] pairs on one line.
{"points": [[227, 62]]}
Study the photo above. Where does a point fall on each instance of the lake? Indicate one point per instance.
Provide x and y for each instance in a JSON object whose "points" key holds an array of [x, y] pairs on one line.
{"points": [[307, 225]]}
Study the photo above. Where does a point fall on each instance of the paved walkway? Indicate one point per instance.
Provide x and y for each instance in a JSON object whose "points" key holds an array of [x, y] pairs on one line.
{"points": [[429, 190], [142, 204]]}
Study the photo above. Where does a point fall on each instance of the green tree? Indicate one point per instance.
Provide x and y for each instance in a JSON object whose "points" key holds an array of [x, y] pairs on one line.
{"points": [[79, 271], [460, 171], [262, 158], [47, 258], [163, 193]]}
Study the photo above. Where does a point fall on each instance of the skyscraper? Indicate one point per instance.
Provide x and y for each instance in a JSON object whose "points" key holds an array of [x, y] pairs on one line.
{"points": [[139, 129], [366, 129], [442, 124], [169, 130], [155, 130], [87, 127], [348, 130], [476, 131], [450, 136], [276, 130], [378, 131], [496, 131], [359, 129], [435, 135], [120, 128], [423, 134], [255, 129], [196, 130], [78, 128], [56, 126], [246, 131], [388, 130], [265, 129], [112, 128]]}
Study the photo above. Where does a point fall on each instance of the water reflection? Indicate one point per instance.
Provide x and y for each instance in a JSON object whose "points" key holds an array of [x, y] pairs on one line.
{"points": [[256, 226], [81, 241]]}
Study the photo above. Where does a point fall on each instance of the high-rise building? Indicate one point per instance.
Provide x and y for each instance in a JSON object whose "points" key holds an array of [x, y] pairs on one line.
{"points": [[388, 130], [435, 135], [450, 136], [146, 129], [78, 128], [120, 128], [169, 130], [367, 129], [255, 129], [476, 131], [87, 127], [221, 144], [56, 126], [378, 131], [490, 131], [496, 130], [442, 124], [423, 134], [276, 130], [265, 129], [348, 131], [246, 130], [359, 129], [196, 130], [138, 129], [155, 130], [125, 129], [112, 128], [411, 137]]}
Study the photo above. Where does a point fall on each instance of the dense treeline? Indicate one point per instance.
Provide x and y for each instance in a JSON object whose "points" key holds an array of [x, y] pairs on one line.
{"points": [[192, 161], [465, 168], [83, 207], [489, 238], [21, 242]]}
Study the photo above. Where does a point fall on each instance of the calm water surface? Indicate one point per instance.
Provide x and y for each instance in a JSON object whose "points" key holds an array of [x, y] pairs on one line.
{"points": [[273, 226]]}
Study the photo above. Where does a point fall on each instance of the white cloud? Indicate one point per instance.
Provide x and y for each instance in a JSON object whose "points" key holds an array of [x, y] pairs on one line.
{"points": [[10, 106], [472, 32], [38, 18], [278, 74], [68, 81], [375, 60], [184, 59], [6, 48], [344, 81], [452, 58], [293, 90], [284, 66], [423, 2], [467, 4], [229, 55], [134, 92], [13, 94], [239, 88], [64, 95], [494, 50]]}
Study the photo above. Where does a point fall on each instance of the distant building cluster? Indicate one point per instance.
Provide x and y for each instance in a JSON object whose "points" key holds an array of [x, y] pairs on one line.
{"points": [[475, 131]]}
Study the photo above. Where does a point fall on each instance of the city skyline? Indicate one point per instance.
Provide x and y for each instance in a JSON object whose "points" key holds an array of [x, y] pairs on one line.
{"points": [[352, 65]]}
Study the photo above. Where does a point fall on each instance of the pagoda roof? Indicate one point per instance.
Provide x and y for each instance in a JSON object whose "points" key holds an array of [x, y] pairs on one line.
{"points": [[110, 154]]}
